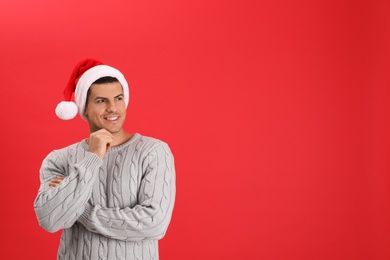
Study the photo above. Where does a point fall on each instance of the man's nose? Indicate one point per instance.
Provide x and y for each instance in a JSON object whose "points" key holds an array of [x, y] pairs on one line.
{"points": [[111, 107]]}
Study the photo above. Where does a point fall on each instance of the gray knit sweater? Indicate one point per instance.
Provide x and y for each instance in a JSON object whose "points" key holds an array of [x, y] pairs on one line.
{"points": [[116, 208]]}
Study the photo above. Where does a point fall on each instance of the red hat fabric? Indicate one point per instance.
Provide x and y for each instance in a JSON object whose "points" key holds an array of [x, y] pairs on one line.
{"points": [[83, 76]]}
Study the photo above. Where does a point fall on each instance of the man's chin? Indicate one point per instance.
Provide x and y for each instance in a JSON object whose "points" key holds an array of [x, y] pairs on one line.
{"points": [[113, 131]]}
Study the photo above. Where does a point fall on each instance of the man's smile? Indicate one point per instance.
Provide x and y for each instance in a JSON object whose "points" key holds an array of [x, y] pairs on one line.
{"points": [[111, 118]]}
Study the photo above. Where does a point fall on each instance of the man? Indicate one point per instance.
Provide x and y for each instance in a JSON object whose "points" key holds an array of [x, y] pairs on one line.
{"points": [[112, 194]]}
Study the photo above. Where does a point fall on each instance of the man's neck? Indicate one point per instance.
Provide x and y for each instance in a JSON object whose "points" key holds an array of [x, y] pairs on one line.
{"points": [[121, 138]]}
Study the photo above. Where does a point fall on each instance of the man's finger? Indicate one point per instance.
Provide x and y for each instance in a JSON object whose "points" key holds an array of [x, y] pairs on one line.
{"points": [[57, 180]]}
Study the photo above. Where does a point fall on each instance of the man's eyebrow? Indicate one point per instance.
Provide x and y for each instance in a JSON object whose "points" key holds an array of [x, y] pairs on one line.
{"points": [[98, 97]]}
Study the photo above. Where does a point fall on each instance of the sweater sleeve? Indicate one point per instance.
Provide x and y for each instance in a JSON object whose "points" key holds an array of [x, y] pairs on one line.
{"points": [[150, 218], [59, 207]]}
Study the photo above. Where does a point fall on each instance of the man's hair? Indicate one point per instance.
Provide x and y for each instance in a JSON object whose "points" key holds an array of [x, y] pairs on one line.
{"points": [[103, 80]]}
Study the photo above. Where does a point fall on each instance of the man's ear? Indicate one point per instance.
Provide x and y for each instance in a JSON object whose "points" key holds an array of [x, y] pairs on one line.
{"points": [[85, 112]]}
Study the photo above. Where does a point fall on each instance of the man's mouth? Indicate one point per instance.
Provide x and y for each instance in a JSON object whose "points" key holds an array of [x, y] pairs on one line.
{"points": [[111, 118]]}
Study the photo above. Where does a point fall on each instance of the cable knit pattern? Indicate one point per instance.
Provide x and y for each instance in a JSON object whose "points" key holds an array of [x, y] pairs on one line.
{"points": [[116, 208]]}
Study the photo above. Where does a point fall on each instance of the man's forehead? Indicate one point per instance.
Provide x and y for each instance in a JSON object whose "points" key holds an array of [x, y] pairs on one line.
{"points": [[111, 89]]}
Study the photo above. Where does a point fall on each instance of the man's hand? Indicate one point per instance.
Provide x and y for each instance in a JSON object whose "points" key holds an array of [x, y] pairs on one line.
{"points": [[100, 142], [54, 182]]}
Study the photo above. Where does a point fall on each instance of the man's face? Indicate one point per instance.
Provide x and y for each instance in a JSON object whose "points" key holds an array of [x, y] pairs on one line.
{"points": [[106, 107]]}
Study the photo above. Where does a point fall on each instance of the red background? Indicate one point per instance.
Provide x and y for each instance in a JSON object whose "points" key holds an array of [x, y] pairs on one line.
{"points": [[276, 111]]}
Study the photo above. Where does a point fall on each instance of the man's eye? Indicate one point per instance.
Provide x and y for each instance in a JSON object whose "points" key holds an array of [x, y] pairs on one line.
{"points": [[100, 101], [119, 98]]}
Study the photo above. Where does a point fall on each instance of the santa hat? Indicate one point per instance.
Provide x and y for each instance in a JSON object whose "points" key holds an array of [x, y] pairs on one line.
{"points": [[83, 76]]}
